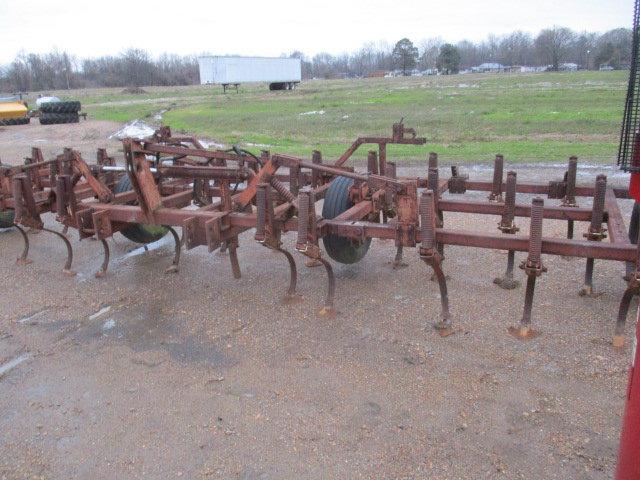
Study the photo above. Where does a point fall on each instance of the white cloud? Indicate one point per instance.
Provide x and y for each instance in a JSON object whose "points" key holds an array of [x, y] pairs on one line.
{"points": [[254, 27]]}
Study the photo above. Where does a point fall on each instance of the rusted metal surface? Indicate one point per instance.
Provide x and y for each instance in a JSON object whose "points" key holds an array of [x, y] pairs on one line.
{"points": [[213, 196]]}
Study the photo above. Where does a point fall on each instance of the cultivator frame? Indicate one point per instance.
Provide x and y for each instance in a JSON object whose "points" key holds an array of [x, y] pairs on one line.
{"points": [[215, 195]]}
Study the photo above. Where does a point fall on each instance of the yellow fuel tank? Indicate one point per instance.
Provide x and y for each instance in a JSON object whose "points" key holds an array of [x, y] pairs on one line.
{"points": [[13, 110]]}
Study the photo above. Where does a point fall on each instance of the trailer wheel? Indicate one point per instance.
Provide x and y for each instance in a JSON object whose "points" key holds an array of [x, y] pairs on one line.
{"points": [[6, 219], [336, 201], [60, 107], [139, 232]]}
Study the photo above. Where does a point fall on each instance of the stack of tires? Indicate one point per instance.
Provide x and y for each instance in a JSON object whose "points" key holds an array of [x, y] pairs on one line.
{"points": [[59, 112]]}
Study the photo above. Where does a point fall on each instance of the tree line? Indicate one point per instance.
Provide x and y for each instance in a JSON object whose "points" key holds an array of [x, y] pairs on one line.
{"points": [[134, 67], [551, 47]]}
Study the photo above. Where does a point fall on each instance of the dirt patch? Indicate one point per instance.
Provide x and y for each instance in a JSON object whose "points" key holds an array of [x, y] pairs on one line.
{"points": [[197, 375], [86, 136]]}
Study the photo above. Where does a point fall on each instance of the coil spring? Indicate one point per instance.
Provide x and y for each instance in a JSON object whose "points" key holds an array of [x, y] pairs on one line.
{"points": [[427, 220], [510, 197], [303, 217], [535, 232]]}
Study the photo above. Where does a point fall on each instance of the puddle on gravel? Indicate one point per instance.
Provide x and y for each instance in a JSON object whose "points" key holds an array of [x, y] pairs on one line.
{"points": [[148, 328], [108, 325], [148, 247], [32, 316], [81, 277], [102, 311], [4, 368]]}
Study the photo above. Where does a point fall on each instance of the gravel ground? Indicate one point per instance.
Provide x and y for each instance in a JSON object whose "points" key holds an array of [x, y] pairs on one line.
{"points": [[86, 136], [197, 375]]}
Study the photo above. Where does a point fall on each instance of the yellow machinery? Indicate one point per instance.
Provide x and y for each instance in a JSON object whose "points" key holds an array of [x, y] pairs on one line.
{"points": [[13, 113]]}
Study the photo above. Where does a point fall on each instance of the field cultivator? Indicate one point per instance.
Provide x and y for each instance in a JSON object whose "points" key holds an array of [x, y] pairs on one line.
{"points": [[215, 195]]}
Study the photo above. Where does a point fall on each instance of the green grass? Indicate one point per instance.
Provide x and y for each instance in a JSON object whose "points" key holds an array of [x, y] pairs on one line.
{"points": [[526, 117]]}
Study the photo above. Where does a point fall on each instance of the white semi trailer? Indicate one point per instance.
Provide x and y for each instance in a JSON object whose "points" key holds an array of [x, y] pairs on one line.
{"points": [[279, 73]]}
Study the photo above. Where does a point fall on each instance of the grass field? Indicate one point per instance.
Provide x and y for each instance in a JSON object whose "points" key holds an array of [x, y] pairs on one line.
{"points": [[527, 117]]}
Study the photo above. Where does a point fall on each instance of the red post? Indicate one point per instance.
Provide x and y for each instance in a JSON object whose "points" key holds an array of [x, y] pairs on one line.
{"points": [[629, 453]]}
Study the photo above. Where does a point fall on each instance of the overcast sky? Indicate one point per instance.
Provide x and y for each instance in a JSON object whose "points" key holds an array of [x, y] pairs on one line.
{"points": [[90, 28]]}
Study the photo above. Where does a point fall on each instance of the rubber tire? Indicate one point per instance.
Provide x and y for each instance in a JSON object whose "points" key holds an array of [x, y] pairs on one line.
{"points": [[56, 118], [139, 232], [6, 219], [336, 201], [60, 107], [14, 121]]}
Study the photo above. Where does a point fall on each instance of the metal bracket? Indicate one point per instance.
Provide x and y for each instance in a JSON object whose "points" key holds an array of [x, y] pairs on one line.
{"points": [[457, 184], [189, 227], [213, 233], [405, 235], [557, 189], [84, 221], [102, 224]]}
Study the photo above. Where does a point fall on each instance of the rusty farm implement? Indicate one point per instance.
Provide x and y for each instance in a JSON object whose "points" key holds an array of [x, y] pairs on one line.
{"points": [[215, 195]]}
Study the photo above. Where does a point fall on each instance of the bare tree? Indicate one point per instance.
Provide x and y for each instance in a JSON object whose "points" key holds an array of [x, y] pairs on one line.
{"points": [[553, 45], [516, 49], [429, 50], [584, 49], [614, 48], [490, 48], [322, 65], [469, 54], [305, 64]]}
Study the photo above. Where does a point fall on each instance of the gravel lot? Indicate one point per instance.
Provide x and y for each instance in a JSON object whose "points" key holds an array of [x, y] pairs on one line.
{"points": [[197, 375]]}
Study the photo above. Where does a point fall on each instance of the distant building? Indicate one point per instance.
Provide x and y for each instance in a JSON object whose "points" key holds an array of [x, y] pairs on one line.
{"points": [[605, 68], [377, 74], [529, 69], [489, 68], [568, 67]]}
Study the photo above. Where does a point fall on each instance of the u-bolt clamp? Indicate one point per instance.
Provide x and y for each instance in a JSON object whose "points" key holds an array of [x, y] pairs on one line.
{"points": [[533, 264], [533, 269]]}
